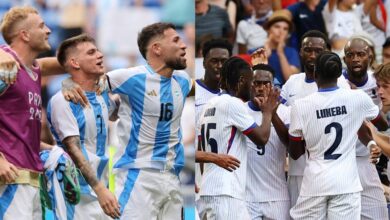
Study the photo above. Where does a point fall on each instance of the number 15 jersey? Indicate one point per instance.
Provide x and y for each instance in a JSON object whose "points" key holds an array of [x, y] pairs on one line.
{"points": [[329, 121], [223, 124]]}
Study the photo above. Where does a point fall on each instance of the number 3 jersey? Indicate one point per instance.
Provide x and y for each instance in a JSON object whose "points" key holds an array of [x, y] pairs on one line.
{"points": [[223, 125], [150, 111], [328, 121]]}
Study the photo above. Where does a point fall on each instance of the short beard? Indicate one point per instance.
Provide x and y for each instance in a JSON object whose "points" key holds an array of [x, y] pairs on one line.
{"points": [[176, 64]]}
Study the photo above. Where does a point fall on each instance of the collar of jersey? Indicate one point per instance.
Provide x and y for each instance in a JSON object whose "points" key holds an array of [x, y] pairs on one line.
{"points": [[253, 106], [200, 83], [328, 89], [151, 71], [345, 74], [309, 80]]}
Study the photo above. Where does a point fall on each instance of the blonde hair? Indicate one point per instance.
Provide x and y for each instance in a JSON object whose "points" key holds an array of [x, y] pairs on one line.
{"points": [[12, 18], [382, 73]]}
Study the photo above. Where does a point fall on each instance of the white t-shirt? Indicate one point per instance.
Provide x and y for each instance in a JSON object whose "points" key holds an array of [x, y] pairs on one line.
{"points": [[251, 34], [343, 24], [328, 121], [224, 123]]}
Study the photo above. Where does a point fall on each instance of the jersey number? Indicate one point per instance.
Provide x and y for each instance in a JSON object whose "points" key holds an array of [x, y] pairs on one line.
{"points": [[260, 150], [339, 133], [166, 112], [211, 141]]}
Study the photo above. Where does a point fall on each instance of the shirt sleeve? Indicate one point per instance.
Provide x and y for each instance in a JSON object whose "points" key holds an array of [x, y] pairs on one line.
{"points": [[240, 118], [284, 93], [370, 110], [284, 114], [185, 81], [61, 118], [242, 27], [295, 129]]}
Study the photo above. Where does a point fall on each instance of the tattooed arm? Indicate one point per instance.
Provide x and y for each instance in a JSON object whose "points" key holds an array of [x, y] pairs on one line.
{"points": [[106, 199]]}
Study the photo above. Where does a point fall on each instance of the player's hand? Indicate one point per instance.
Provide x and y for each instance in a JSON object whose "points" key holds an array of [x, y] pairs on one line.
{"points": [[107, 201], [8, 67], [227, 162], [73, 92], [259, 57], [270, 102], [375, 153], [8, 172]]}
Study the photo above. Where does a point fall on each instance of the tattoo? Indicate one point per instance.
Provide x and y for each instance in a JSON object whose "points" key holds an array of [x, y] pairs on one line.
{"points": [[73, 148]]}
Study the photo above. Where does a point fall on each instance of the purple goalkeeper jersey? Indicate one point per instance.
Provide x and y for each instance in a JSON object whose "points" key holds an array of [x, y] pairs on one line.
{"points": [[20, 118]]}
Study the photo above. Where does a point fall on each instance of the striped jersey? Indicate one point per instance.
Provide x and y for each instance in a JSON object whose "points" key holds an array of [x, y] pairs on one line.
{"points": [[150, 111], [296, 87], [370, 88], [223, 125], [328, 121], [202, 96], [266, 179], [91, 124]]}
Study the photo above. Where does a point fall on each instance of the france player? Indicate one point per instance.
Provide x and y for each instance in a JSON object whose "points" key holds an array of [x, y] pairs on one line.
{"points": [[357, 58], [299, 86], [223, 126], [327, 123], [82, 132], [266, 185], [151, 152]]}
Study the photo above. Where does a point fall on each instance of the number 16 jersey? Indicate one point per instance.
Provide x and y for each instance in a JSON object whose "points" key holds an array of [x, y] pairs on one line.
{"points": [[223, 125], [328, 121]]}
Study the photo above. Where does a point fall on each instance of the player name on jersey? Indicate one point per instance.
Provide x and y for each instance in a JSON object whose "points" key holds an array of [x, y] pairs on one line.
{"points": [[329, 112], [209, 112]]}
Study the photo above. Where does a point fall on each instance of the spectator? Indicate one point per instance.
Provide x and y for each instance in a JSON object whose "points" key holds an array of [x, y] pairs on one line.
{"points": [[386, 51], [283, 59], [250, 32], [211, 19]]}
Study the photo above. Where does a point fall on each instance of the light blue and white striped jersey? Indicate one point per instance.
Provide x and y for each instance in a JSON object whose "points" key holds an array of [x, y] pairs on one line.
{"points": [[91, 124], [150, 111]]}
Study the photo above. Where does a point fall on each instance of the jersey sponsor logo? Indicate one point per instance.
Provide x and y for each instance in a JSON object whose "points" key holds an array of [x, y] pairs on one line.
{"points": [[152, 93], [329, 112]]}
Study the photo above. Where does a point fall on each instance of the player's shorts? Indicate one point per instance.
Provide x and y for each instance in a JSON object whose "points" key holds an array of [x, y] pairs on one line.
{"points": [[148, 194], [373, 199], [19, 201], [294, 186], [87, 208], [274, 210], [335, 207], [222, 207]]}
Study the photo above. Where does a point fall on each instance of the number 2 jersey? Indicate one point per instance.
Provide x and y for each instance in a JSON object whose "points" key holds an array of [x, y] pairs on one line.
{"points": [[328, 121], [223, 125], [150, 111]]}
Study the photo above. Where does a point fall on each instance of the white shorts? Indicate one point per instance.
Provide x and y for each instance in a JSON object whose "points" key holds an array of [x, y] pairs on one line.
{"points": [[19, 201], [335, 207], [222, 207], [374, 204], [275, 210], [87, 208], [294, 187], [148, 194]]}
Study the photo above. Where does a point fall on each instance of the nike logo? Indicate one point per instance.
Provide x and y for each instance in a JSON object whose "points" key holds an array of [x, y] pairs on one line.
{"points": [[197, 105], [291, 95], [302, 16]]}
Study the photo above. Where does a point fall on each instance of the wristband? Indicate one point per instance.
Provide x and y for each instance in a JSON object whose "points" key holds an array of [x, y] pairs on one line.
{"points": [[372, 142]]}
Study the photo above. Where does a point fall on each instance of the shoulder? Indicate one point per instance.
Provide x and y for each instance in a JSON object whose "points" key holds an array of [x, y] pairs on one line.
{"points": [[128, 72], [295, 78]]}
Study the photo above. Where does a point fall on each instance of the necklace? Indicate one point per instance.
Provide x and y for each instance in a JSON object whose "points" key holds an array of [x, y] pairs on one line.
{"points": [[31, 73]]}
